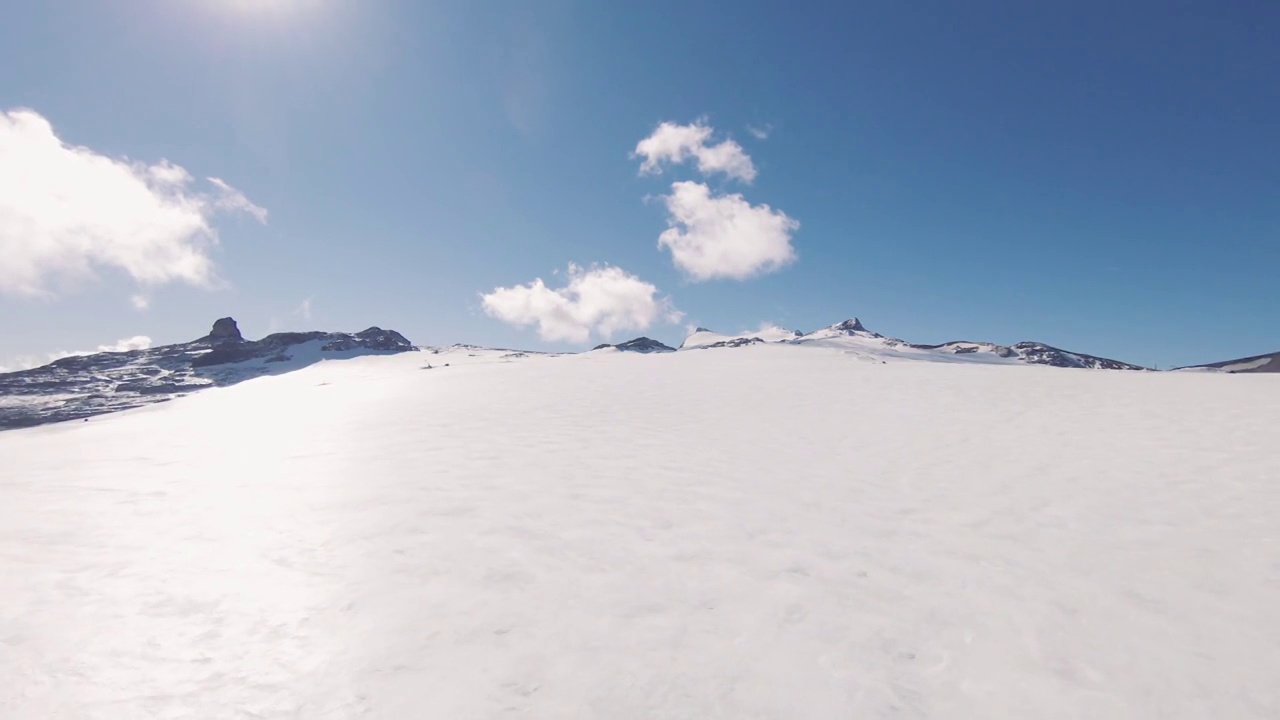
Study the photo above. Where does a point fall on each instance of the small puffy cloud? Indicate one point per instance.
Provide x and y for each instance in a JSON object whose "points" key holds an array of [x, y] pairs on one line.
{"points": [[672, 143], [724, 236], [68, 211], [601, 301], [137, 342], [140, 302]]}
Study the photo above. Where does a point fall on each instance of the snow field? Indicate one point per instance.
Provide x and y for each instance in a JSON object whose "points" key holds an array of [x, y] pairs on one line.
{"points": [[772, 531]]}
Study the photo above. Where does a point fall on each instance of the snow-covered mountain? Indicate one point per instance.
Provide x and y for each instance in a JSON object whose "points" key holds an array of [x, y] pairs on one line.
{"points": [[851, 336], [1268, 363], [81, 386], [775, 532], [703, 338]]}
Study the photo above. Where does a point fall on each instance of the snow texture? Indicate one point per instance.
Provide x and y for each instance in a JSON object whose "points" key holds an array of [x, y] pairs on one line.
{"points": [[777, 531]]}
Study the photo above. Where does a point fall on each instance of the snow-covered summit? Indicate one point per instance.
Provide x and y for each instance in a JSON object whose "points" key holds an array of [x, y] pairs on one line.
{"points": [[703, 338], [852, 327]]}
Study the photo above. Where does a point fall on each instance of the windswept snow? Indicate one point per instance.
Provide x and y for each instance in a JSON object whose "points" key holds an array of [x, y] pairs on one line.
{"points": [[778, 531], [1248, 365]]}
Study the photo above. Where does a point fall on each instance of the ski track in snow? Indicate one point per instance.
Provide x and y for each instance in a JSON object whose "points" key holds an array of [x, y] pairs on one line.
{"points": [[764, 532]]}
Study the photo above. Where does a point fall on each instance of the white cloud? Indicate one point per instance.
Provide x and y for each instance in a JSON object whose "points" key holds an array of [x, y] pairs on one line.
{"points": [[137, 342], [676, 143], [601, 300], [724, 236], [67, 211], [304, 309], [26, 362], [140, 302], [760, 132], [230, 199]]}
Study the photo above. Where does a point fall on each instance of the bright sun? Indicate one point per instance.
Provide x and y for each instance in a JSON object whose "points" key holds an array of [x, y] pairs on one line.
{"points": [[266, 7]]}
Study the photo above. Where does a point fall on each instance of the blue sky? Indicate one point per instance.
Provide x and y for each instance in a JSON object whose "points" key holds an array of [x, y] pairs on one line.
{"points": [[1098, 176]]}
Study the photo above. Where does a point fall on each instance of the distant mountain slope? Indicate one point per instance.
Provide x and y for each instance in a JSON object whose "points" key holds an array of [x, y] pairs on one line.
{"points": [[852, 336], [1269, 363], [639, 345], [85, 385]]}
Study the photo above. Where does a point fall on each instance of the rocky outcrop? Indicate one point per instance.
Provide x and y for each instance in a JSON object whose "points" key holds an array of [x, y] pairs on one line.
{"points": [[224, 330]]}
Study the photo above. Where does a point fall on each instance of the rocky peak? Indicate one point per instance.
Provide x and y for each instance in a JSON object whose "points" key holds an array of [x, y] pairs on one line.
{"points": [[640, 345], [225, 330], [851, 325]]}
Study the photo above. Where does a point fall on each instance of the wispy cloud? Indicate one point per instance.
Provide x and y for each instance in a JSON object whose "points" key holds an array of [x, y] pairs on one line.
{"points": [[140, 302], [68, 211], [760, 132], [137, 342], [672, 143], [26, 362], [724, 236], [230, 199], [304, 309], [601, 301]]}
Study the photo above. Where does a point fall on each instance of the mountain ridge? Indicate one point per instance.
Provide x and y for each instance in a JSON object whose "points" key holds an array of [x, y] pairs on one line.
{"points": [[851, 335], [81, 386]]}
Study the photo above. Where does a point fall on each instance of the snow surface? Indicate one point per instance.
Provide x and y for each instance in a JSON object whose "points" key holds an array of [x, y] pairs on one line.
{"points": [[776, 531]]}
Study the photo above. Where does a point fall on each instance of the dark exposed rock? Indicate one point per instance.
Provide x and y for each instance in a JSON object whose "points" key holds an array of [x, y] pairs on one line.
{"points": [[225, 330], [736, 342], [639, 345], [1041, 354], [851, 325]]}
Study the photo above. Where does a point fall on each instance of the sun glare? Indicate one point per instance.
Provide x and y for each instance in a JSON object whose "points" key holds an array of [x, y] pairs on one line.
{"points": [[266, 8]]}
